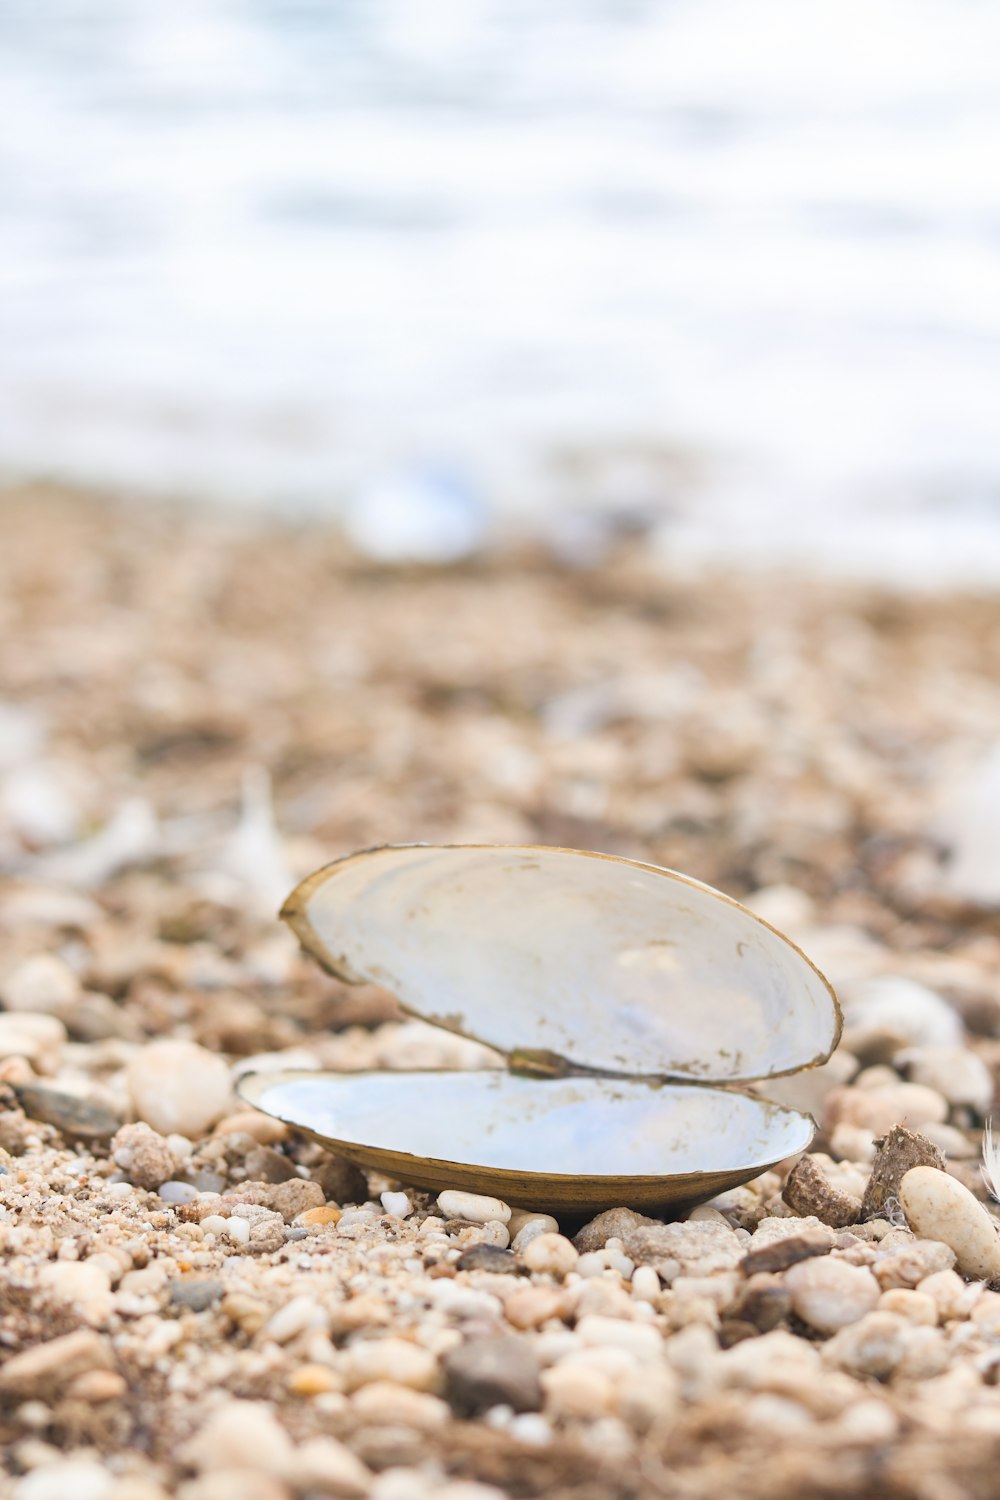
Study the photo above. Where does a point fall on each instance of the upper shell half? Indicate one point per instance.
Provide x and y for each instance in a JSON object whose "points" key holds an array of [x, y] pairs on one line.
{"points": [[595, 962]]}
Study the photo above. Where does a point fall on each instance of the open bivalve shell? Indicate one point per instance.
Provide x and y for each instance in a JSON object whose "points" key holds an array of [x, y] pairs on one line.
{"points": [[628, 1001]]}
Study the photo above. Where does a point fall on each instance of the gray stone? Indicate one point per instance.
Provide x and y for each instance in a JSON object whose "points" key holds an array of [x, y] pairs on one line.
{"points": [[487, 1372], [614, 1223], [195, 1295]]}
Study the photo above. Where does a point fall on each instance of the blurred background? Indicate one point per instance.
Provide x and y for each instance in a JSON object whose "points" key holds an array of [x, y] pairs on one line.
{"points": [[727, 274]]}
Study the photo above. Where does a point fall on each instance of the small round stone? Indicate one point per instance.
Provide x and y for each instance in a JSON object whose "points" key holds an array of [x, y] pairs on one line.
{"points": [[143, 1155], [551, 1254], [313, 1380], [397, 1204], [178, 1086], [829, 1294], [473, 1206]]}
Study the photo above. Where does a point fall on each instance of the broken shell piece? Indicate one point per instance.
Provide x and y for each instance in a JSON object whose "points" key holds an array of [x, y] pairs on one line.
{"points": [[617, 992]]}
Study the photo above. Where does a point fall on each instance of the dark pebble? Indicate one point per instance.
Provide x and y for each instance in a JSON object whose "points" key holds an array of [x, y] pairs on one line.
{"points": [[489, 1258], [75, 1117], [195, 1295], [487, 1372], [785, 1253]]}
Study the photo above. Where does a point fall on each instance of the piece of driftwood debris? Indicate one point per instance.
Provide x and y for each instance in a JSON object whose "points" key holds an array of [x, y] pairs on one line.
{"points": [[809, 1191]]}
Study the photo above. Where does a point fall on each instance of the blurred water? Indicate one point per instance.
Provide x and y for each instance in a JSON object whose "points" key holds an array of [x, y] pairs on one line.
{"points": [[737, 264]]}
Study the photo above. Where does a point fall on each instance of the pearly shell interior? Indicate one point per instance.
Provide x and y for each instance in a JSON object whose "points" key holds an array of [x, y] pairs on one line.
{"points": [[634, 988], [572, 1144]]}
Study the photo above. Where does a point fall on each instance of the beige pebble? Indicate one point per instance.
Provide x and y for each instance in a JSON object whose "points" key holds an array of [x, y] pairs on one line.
{"points": [[829, 1294], [953, 1297], [38, 1038], [529, 1229], [879, 1109], [240, 1435], [66, 1479], [85, 1285], [265, 1130], [914, 1306], [552, 1254], [41, 983], [955, 1072], [95, 1386], [46, 1368], [384, 1403], [145, 1157], [530, 1306], [178, 1086], [326, 1466], [576, 1391], [390, 1359], [294, 1318], [473, 1206], [638, 1339], [226, 1483], [940, 1208]]}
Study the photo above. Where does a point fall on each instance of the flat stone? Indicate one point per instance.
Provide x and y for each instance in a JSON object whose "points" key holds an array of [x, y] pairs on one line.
{"points": [[486, 1372], [76, 1118], [196, 1294], [49, 1367], [784, 1253]]}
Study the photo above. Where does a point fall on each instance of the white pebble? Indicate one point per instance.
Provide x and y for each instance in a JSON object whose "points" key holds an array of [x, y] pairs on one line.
{"points": [[292, 1319], [177, 1086], [41, 983], [829, 1294], [551, 1253], [645, 1284], [940, 1208], [397, 1204], [177, 1192], [213, 1224], [639, 1339], [237, 1230], [472, 1206], [81, 1478], [529, 1227]]}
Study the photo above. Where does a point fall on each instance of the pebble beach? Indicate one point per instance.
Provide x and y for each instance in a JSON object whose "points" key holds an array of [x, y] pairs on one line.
{"points": [[195, 1301]]}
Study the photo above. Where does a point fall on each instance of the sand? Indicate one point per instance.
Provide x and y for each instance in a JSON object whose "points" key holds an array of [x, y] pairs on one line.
{"points": [[196, 712]]}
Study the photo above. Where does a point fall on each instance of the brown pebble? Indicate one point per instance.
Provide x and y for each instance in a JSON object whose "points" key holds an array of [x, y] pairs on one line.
{"points": [[265, 1130], [489, 1258], [896, 1153], [614, 1223], [95, 1386], [808, 1191], [296, 1196], [341, 1181], [781, 1254]]}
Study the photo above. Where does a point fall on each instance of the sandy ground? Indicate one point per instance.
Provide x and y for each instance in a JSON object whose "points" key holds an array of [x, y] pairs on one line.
{"points": [[265, 1324]]}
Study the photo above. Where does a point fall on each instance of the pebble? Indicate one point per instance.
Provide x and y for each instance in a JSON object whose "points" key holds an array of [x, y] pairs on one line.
{"points": [[531, 1306], [952, 1297], [578, 1392], [37, 1037], [328, 1214], [645, 1284], [45, 1369], [314, 1380], [529, 1229], [879, 1109], [143, 1155], [240, 1435], [66, 1479], [487, 1372], [325, 1466], [473, 1207], [196, 1294], [397, 1204], [294, 1318], [173, 1191], [41, 983], [614, 1223], [391, 1359], [296, 1196], [702, 1248], [264, 1130], [178, 1086], [914, 1306], [940, 1208], [829, 1294], [901, 1009], [491, 1258], [551, 1254], [79, 1119], [385, 1404], [639, 1339], [955, 1072]]}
